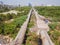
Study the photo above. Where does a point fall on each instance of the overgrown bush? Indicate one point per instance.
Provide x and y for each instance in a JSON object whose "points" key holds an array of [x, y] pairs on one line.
{"points": [[52, 12]]}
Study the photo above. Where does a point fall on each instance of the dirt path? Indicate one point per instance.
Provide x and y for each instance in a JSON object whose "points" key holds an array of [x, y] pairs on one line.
{"points": [[43, 29], [12, 11]]}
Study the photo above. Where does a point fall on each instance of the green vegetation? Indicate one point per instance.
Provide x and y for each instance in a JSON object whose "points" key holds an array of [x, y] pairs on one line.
{"points": [[52, 26], [5, 17], [51, 12], [24, 10], [55, 36], [12, 28], [31, 37], [31, 23], [4, 9]]}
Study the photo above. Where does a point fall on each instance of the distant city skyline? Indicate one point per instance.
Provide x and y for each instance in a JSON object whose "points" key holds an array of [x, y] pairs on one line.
{"points": [[33, 2]]}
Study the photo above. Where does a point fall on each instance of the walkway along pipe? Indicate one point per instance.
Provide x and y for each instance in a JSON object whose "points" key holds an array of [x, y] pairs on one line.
{"points": [[43, 29], [20, 36]]}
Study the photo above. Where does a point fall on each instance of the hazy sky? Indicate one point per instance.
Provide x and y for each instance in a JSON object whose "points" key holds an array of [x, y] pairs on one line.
{"points": [[33, 2]]}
